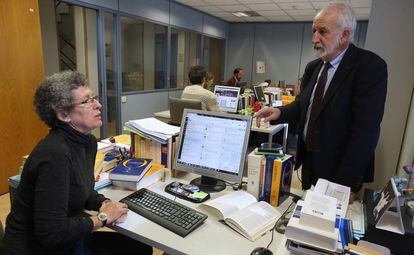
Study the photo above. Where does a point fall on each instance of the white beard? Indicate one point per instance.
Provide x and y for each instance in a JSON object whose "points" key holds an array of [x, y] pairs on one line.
{"points": [[323, 52]]}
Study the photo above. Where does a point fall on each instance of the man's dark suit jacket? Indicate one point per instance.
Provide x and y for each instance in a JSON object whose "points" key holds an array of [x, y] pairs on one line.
{"points": [[232, 81], [347, 127]]}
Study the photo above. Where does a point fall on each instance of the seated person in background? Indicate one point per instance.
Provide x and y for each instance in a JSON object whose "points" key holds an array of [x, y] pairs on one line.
{"points": [[57, 182], [237, 76], [197, 77], [209, 79]]}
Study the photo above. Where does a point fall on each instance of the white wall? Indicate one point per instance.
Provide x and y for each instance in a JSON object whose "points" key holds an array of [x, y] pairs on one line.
{"points": [[391, 35]]}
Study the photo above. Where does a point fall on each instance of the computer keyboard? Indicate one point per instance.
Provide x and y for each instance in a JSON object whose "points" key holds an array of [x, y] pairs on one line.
{"points": [[176, 217]]}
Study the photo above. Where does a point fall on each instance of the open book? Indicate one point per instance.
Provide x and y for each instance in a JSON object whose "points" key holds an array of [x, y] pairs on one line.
{"points": [[241, 211]]}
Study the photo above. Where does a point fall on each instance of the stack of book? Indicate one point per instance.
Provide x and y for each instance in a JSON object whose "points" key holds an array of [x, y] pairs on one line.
{"points": [[155, 173], [151, 138], [120, 141], [104, 147], [105, 162], [269, 177], [136, 173]]}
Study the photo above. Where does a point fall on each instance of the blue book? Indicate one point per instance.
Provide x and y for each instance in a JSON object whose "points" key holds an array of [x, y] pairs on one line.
{"points": [[131, 169], [268, 178]]}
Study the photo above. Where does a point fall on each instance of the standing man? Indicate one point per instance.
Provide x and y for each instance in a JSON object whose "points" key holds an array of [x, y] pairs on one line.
{"points": [[341, 104], [237, 76]]}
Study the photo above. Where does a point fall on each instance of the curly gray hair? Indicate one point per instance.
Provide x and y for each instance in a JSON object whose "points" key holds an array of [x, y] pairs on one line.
{"points": [[346, 17], [54, 94]]}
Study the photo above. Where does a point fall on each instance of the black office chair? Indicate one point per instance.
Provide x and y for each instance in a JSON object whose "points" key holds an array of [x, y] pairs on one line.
{"points": [[177, 106]]}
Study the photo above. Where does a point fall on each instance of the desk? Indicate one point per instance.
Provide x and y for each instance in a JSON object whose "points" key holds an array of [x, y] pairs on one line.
{"points": [[271, 130], [212, 237]]}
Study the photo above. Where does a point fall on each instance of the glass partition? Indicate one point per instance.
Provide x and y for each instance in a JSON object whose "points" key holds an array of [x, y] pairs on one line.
{"points": [[76, 29], [185, 53], [213, 57], [143, 55]]}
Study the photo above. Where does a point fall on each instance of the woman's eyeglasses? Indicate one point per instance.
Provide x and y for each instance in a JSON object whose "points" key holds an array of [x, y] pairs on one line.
{"points": [[88, 101]]}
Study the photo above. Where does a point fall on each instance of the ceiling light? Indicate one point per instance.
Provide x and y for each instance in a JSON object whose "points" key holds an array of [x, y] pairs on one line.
{"points": [[246, 14], [240, 14]]}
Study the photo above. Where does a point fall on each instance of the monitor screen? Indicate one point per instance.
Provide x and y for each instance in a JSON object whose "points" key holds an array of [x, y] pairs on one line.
{"points": [[258, 92], [227, 98], [213, 145]]}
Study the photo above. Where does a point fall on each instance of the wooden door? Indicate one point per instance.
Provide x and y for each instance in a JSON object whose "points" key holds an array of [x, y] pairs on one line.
{"points": [[21, 69]]}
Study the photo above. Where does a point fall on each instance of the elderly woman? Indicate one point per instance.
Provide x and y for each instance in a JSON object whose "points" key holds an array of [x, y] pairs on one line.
{"points": [[57, 182]]}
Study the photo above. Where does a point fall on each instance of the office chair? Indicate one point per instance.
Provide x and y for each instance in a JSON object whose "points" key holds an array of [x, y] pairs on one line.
{"points": [[177, 106]]}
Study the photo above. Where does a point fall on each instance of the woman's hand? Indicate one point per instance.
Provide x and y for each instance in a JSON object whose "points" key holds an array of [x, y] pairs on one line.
{"points": [[115, 211]]}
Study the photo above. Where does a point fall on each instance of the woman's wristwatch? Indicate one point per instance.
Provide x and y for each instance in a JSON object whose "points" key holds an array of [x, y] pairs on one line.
{"points": [[103, 217]]}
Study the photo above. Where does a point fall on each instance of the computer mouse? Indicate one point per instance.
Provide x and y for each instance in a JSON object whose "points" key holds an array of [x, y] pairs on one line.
{"points": [[261, 251]]}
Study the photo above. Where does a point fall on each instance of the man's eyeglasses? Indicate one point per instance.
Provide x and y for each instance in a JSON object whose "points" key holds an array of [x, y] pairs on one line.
{"points": [[88, 101]]}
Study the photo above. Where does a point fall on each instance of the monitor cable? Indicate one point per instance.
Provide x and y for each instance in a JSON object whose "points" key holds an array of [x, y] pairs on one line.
{"points": [[235, 185], [281, 222], [297, 175]]}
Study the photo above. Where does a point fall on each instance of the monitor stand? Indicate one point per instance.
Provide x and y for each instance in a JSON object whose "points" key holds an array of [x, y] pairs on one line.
{"points": [[209, 184]]}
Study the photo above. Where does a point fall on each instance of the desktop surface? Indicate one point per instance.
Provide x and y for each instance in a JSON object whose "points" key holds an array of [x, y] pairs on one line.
{"points": [[212, 237]]}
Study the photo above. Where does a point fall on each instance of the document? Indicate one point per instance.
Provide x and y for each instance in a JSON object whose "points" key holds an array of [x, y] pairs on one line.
{"points": [[156, 126], [241, 211]]}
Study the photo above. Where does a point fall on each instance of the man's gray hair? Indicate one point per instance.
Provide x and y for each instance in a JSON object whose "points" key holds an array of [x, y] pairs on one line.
{"points": [[346, 17], [54, 94]]}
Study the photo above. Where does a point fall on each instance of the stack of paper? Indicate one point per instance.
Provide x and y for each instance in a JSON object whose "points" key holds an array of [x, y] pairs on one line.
{"points": [[153, 129]]}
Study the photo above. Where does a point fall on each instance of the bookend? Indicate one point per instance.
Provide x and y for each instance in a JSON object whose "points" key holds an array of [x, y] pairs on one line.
{"points": [[387, 209]]}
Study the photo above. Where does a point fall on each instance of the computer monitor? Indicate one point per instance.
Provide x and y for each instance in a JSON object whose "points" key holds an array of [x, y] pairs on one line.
{"points": [[259, 93], [242, 85], [227, 98], [213, 145]]}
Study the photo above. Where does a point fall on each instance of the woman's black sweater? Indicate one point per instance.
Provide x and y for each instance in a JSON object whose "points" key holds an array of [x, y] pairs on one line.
{"points": [[57, 185]]}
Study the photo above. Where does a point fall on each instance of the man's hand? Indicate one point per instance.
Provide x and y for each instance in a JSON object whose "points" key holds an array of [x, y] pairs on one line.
{"points": [[268, 114]]}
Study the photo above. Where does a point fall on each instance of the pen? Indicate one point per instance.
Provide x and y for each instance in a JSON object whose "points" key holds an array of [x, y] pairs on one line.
{"points": [[122, 154]]}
